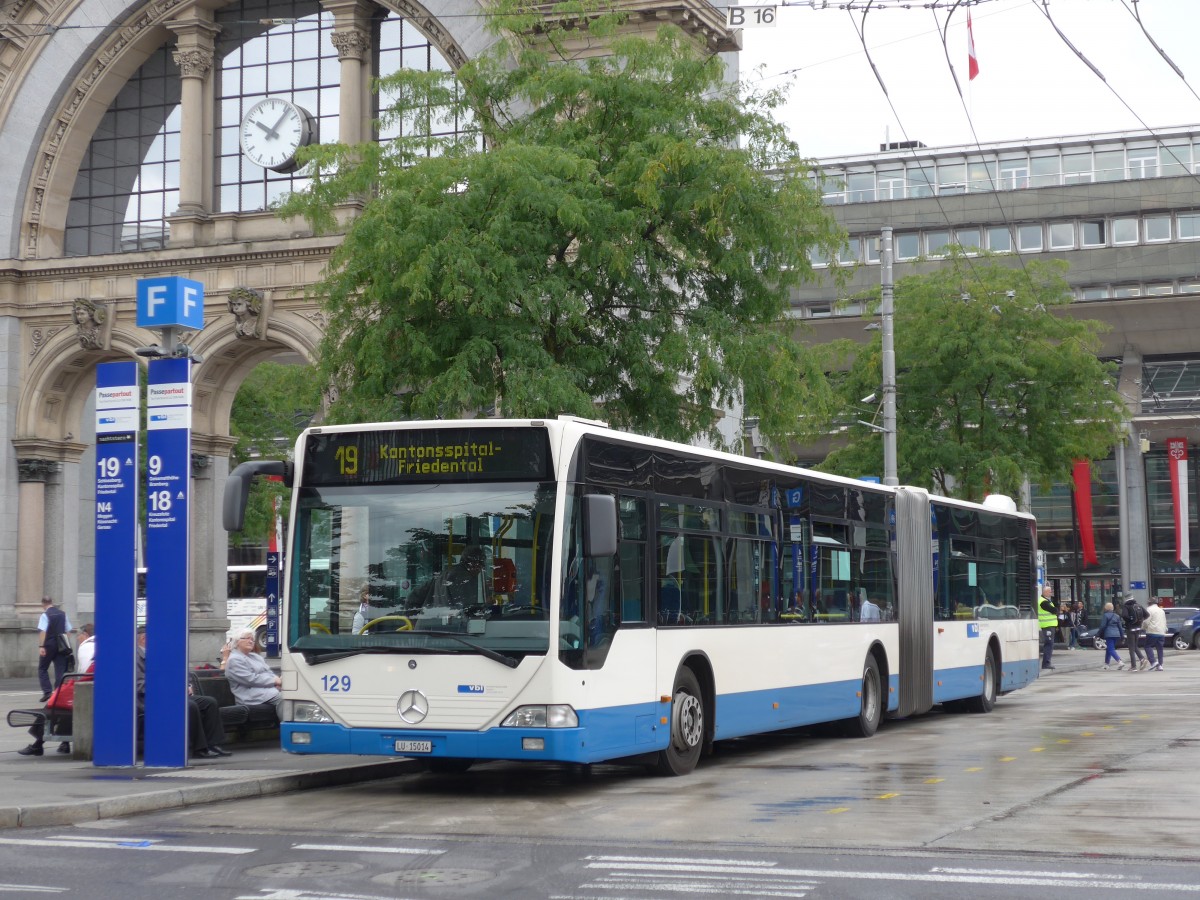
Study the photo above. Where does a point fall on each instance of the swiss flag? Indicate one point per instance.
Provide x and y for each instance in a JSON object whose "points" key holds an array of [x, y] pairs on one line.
{"points": [[972, 61]]}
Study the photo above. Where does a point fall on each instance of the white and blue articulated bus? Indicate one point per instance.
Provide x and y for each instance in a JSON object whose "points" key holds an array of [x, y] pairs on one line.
{"points": [[557, 590]]}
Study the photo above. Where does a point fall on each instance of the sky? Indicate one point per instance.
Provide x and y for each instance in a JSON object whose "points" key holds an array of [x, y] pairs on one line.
{"points": [[1030, 83]]}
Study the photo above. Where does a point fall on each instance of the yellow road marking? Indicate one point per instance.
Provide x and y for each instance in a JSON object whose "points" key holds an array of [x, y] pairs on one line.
{"points": [[1007, 758], [886, 796], [934, 780], [975, 769], [839, 809]]}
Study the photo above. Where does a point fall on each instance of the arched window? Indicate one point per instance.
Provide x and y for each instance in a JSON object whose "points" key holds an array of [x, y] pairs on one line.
{"points": [[128, 182]]}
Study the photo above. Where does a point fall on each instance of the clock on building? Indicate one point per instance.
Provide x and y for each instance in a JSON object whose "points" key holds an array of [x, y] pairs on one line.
{"points": [[273, 130]]}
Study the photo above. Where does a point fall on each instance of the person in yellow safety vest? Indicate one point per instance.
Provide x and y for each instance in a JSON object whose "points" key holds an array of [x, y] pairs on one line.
{"points": [[1048, 622]]}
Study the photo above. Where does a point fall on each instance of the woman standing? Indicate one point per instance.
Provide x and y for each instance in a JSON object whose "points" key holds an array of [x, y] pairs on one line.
{"points": [[1111, 630]]}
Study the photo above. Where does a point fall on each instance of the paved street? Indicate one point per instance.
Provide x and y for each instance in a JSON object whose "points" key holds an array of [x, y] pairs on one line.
{"points": [[1079, 785]]}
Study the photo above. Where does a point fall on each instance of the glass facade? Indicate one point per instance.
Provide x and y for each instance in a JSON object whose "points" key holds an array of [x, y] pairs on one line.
{"points": [[128, 182]]}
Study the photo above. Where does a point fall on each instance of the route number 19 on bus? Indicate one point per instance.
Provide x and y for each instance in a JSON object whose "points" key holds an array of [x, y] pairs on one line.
{"points": [[750, 17]]}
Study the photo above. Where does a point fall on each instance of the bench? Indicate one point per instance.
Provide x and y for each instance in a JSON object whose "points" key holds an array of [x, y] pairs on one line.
{"points": [[58, 722], [246, 722], [241, 723]]}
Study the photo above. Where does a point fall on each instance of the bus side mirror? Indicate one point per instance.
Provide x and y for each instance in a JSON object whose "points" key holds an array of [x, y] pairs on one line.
{"points": [[237, 489], [599, 525]]}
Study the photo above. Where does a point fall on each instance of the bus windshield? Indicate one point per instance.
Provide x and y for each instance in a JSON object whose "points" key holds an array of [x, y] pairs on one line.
{"points": [[432, 567]]}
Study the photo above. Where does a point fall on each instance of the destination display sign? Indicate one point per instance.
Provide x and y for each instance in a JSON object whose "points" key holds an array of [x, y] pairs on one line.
{"points": [[427, 455]]}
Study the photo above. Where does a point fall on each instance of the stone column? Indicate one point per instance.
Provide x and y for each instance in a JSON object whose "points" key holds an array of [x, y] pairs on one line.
{"points": [[196, 34], [209, 551], [17, 656], [352, 38], [1136, 540], [32, 474]]}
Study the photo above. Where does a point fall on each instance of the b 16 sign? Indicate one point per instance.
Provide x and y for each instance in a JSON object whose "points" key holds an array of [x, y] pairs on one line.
{"points": [[750, 16]]}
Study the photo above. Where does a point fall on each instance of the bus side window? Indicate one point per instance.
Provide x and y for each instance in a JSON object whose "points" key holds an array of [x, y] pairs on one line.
{"points": [[632, 513]]}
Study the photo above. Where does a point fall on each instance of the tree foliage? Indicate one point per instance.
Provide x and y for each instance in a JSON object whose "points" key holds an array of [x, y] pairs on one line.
{"points": [[995, 382], [273, 405], [623, 248]]}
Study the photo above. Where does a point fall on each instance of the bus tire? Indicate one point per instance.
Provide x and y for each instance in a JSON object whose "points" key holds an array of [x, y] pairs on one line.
{"points": [[687, 726], [986, 701], [870, 710], [260, 638]]}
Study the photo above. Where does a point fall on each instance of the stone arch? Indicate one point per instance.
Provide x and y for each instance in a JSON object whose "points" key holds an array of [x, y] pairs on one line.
{"points": [[78, 102], [59, 382], [228, 359]]}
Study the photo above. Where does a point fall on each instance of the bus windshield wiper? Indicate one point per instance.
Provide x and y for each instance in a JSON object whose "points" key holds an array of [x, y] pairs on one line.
{"points": [[317, 655], [494, 655]]}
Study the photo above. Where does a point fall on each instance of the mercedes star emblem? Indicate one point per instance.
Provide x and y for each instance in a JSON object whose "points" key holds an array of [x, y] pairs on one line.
{"points": [[412, 707]]}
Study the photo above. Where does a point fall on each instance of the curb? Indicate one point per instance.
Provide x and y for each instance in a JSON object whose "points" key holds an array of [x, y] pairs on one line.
{"points": [[72, 813]]}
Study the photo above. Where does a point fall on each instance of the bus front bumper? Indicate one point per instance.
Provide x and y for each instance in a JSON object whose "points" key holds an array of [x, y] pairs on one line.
{"points": [[546, 744]]}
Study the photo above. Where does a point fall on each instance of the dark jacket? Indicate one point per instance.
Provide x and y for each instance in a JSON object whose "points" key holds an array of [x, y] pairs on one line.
{"points": [[56, 624]]}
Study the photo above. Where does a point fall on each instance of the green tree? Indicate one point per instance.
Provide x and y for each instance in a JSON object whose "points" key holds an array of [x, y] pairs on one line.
{"points": [[995, 382], [273, 405], [624, 247]]}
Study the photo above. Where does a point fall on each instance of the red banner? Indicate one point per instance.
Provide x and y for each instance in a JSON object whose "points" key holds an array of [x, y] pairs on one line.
{"points": [[1083, 511], [1177, 455]]}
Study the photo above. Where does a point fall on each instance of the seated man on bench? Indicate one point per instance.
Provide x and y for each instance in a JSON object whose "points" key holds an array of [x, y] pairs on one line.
{"points": [[250, 678]]}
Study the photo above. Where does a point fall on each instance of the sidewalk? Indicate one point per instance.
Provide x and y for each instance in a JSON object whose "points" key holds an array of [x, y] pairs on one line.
{"points": [[57, 790]]}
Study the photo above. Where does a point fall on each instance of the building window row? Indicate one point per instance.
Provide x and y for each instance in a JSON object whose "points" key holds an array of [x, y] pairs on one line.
{"points": [[1023, 237], [1009, 170]]}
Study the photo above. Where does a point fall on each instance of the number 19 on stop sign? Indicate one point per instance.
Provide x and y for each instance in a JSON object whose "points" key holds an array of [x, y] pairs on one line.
{"points": [[750, 17]]}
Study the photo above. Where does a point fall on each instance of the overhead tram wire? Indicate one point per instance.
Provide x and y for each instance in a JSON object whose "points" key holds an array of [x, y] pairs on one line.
{"points": [[861, 32], [1043, 6]]}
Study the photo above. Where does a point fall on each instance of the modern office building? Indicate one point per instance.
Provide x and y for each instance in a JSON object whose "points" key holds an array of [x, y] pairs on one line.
{"points": [[121, 158], [1123, 209]]}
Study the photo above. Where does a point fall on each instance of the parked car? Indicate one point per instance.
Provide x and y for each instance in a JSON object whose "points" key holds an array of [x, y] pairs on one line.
{"points": [[1091, 638], [1183, 631], [1178, 620]]}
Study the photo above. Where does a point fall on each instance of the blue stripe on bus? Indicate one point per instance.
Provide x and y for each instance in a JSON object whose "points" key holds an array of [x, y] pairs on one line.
{"points": [[605, 733]]}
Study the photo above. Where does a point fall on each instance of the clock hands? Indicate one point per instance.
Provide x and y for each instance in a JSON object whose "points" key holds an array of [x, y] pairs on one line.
{"points": [[270, 132]]}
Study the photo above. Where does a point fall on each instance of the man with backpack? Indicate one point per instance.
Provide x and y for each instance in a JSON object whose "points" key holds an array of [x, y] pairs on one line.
{"points": [[1133, 617]]}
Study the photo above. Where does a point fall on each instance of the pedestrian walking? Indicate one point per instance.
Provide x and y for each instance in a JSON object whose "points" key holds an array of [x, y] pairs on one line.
{"points": [[1111, 630], [1134, 615], [1156, 634], [54, 646]]}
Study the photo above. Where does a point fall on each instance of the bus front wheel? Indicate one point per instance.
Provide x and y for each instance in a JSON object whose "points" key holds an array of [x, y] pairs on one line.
{"points": [[870, 709], [687, 726]]}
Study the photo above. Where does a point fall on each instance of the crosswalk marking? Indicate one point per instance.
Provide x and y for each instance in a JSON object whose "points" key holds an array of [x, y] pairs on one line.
{"points": [[361, 848]]}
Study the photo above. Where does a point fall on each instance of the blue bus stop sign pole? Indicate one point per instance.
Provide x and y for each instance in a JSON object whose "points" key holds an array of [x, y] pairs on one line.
{"points": [[168, 304], [118, 405], [273, 603], [168, 471]]}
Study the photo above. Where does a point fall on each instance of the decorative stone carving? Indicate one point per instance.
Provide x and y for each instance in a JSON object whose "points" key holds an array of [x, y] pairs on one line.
{"points": [[193, 62], [39, 338], [246, 304], [350, 44], [90, 321], [35, 470], [200, 465]]}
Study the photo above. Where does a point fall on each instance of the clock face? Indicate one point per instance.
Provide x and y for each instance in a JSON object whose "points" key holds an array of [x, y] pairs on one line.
{"points": [[272, 131]]}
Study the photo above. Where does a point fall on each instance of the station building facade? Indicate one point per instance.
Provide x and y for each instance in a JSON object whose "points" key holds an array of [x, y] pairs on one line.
{"points": [[1123, 210], [121, 159]]}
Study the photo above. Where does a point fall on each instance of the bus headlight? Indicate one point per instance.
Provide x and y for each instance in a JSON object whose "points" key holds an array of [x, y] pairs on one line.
{"points": [[554, 716], [306, 711]]}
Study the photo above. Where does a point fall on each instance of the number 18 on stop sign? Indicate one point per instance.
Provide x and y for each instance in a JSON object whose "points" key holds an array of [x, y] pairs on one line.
{"points": [[750, 17]]}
